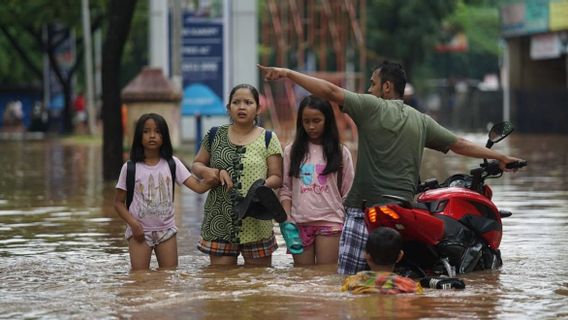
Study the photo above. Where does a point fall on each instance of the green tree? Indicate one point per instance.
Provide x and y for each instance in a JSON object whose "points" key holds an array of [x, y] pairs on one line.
{"points": [[120, 14], [22, 48], [480, 23], [24, 43], [404, 30]]}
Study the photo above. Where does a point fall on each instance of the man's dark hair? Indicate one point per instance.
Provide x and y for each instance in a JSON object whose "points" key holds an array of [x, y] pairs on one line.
{"points": [[393, 72], [384, 246]]}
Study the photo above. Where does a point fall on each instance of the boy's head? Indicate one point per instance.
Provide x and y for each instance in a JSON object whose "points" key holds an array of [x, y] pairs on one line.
{"points": [[384, 248]]}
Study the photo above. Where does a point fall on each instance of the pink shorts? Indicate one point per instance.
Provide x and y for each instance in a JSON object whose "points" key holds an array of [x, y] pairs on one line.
{"points": [[308, 233]]}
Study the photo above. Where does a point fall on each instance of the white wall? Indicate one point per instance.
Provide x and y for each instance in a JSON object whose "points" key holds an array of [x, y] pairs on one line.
{"points": [[188, 126]]}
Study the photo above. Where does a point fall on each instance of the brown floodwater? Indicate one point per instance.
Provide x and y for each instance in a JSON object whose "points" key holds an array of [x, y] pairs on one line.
{"points": [[62, 253]]}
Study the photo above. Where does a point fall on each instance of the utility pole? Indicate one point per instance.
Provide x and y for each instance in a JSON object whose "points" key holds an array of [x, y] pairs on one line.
{"points": [[176, 42], [46, 79], [88, 66], [159, 35]]}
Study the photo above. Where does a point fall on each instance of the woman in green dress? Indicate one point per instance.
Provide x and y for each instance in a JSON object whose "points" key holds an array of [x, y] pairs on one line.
{"points": [[233, 156]]}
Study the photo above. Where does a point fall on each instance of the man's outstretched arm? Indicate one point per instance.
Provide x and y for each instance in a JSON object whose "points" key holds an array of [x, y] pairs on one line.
{"points": [[470, 149], [318, 87]]}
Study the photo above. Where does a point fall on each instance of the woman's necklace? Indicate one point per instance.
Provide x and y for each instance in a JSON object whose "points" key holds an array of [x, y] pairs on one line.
{"points": [[243, 137]]}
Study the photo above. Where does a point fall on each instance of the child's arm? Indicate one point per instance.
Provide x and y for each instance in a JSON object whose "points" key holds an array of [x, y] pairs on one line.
{"points": [[196, 185], [285, 192], [348, 173], [287, 205], [200, 167], [120, 207]]}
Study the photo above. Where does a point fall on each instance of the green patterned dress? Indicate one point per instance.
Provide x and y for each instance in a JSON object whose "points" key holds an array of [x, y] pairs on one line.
{"points": [[245, 164]]}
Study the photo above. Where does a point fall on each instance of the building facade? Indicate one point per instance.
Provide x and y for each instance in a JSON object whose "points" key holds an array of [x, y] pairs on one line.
{"points": [[535, 64]]}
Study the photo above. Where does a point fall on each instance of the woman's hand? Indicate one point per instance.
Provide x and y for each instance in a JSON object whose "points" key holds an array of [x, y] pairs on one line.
{"points": [[225, 179]]}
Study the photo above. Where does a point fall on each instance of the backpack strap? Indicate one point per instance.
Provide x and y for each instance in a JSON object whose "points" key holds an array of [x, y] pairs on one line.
{"points": [[267, 137], [172, 165], [130, 173], [211, 137]]}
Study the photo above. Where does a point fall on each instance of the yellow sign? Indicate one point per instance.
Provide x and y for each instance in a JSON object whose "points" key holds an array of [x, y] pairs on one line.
{"points": [[558, 15]]}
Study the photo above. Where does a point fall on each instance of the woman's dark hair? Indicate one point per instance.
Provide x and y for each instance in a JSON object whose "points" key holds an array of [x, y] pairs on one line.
{"points": [[331, 146], [137, 149], [252, 89]]}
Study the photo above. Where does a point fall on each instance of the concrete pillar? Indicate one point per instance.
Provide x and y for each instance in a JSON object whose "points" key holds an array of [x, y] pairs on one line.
{"points": [[243, 39], [159, 36], [152, 92]]}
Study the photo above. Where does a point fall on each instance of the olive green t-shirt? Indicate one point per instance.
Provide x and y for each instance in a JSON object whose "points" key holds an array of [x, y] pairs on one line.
{"points": [[392, 137]]}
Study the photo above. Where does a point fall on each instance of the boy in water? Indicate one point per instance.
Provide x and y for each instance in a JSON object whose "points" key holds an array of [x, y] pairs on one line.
{"points": [[383, 251]]}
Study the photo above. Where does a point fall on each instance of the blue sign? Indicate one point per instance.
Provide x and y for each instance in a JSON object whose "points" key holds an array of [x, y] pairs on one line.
{"points": [[202, 64]]}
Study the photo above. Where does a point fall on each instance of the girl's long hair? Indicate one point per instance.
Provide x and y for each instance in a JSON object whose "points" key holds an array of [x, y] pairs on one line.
{"points": [[137, 149], [331, 146]]}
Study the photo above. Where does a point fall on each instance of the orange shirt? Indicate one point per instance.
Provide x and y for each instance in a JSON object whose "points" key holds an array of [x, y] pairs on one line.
{"points": [[380, 282]]}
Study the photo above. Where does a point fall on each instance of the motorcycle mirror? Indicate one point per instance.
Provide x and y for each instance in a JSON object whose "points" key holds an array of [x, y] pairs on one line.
{"points": [[499, 132]]}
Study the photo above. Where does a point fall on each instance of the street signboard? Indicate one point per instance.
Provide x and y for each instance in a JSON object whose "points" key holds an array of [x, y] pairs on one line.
{"points": [[202, 59]]}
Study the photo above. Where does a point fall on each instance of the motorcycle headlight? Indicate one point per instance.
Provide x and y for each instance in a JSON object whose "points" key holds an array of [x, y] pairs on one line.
{"points": [[458, 183]]}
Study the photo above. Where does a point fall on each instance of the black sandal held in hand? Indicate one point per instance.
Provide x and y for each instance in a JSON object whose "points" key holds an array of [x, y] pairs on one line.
{"points": [[260, 203]]}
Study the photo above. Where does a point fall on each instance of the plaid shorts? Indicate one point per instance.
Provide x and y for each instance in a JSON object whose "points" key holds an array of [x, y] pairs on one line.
{"points": [[259, 249], [352, 243]]}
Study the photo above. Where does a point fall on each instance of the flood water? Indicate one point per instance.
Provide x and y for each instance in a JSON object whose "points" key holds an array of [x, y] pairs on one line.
{"points": [[62, 253]]}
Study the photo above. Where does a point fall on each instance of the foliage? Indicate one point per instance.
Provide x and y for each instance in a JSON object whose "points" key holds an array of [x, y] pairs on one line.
{"points": [[23, 46], [407, 31], [404, 30], [119, 15], [480, 23], [136, 50], [24, 22]]}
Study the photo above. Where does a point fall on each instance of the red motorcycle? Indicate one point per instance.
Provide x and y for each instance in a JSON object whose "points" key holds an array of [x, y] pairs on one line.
{"points": [[454, 227]]}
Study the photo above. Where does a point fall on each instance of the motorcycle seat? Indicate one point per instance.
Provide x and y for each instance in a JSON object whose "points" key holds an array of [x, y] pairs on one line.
{"points": [[407, 204], [420, 205]]}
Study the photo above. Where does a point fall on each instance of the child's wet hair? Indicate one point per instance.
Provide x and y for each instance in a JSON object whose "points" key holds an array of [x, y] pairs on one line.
{"points": [[331, 144], [384, 246], [137, 149]]}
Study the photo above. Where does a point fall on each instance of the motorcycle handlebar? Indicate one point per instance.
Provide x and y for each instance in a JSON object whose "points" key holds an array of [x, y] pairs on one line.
{"points": [[492, 167], [516, 164]]}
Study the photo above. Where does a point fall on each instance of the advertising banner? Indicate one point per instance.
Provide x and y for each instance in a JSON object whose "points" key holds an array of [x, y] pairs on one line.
{"points": [[558, 15], [524, 17], [202, 58]]}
